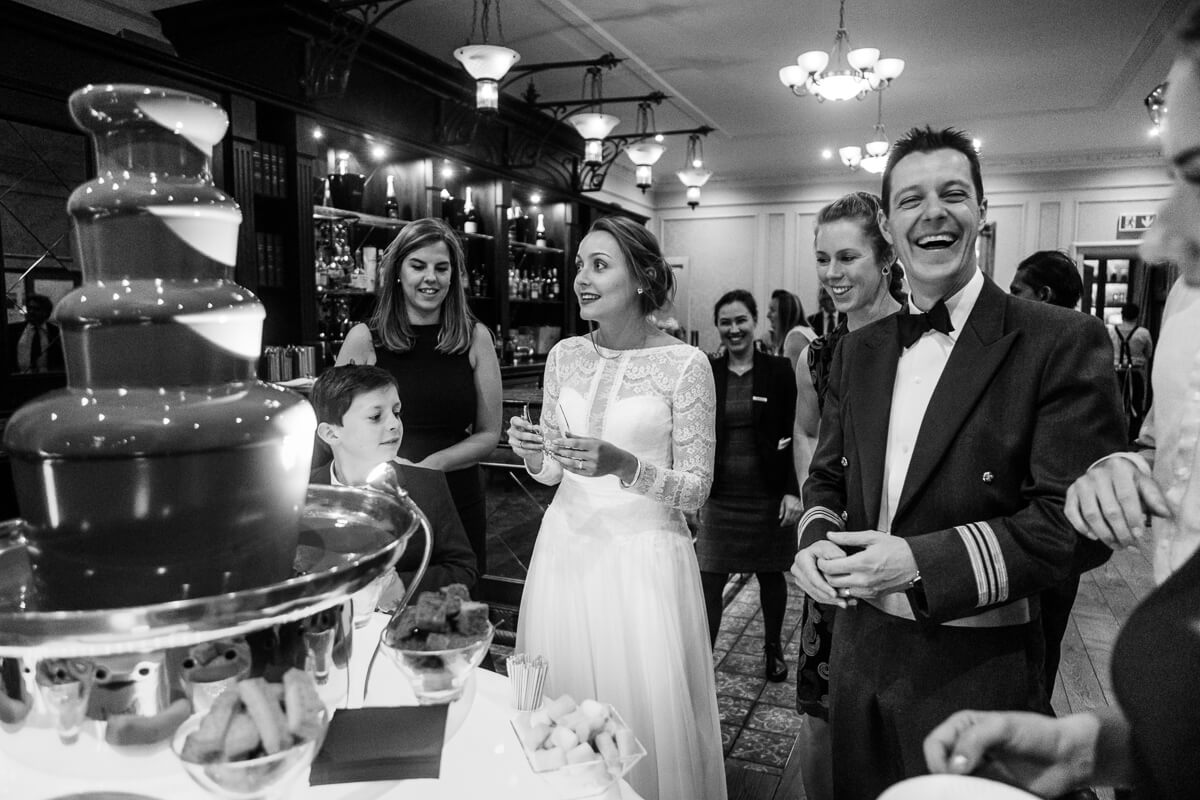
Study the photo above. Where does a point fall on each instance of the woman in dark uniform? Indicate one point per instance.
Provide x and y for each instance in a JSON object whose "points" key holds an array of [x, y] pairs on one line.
{"points": [[423, 332], [748, 523]]}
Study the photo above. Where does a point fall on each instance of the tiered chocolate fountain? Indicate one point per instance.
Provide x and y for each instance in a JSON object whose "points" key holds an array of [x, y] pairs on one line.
{"points": [[163, 492]]}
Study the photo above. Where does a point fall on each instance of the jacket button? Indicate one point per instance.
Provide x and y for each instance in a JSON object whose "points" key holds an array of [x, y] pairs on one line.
{"points": [[988, 477], [845, 463], [845, 516]]}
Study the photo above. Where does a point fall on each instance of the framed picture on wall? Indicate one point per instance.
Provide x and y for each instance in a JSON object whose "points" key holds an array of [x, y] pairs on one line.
{"points": [[985, 249]]}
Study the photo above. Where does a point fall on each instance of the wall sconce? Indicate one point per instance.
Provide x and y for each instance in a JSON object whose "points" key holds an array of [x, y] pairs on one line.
{"points": [[693, 175]]}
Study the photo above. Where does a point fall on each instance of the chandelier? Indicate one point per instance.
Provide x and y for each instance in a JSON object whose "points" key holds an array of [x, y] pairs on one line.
{"points": [[875, 159], [842, 73], [694, 175]]}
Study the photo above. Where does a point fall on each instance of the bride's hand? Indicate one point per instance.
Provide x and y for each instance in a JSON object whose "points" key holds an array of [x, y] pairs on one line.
{"points": [[525, 438], [584, 455]]}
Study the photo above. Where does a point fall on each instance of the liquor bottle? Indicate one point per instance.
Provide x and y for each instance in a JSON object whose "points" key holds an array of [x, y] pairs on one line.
{"points": [[535, 288], [552, 284], [509, 353], [391, 207], [523, 292], [498, 343], [470, 218], [541, 231]]}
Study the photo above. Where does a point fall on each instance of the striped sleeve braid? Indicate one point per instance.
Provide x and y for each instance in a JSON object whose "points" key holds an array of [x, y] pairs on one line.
{"points": [[987, 562], [822, 519]]}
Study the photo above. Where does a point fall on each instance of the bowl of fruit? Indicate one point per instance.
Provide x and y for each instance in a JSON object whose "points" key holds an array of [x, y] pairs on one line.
{"points": [[255, 739], [579, 749], [437, 643]]}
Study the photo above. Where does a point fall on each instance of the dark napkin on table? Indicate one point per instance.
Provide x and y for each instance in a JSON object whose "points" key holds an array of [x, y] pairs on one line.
{"points": [[381, 744]]}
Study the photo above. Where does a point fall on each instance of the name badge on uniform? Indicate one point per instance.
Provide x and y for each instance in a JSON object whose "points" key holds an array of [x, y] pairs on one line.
{"points": [[783, 443], [758, 399]]}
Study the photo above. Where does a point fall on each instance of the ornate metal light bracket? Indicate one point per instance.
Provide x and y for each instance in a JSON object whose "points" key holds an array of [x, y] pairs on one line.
{"points": [[328, 60], [590, 177]]}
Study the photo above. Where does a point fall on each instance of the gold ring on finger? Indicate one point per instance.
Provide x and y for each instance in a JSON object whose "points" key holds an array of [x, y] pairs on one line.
{"points": [[579, 463]]}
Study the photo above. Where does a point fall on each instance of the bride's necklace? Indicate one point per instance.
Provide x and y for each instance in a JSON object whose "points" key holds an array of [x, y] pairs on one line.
{"points": [[596, 347]]}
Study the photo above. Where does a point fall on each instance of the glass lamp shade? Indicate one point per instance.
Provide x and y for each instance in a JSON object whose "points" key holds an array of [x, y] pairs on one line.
{"points": [[813, 61], [644, 177], [486, 60], [792, 76], [693, 196], [487, 95], [888, 69], [645, 154], [593, 151], [851, 156], [592, 125], [694, 177], [874, 164], [863, 57], [840, 85], [879, 147]]}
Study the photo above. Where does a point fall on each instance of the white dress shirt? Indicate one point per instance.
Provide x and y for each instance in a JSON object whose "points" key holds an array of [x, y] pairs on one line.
{"points": [[917, 375]]}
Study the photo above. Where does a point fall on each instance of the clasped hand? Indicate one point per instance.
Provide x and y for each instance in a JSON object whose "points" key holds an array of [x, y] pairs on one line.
{"points": [[582, 455], [826, 574]]}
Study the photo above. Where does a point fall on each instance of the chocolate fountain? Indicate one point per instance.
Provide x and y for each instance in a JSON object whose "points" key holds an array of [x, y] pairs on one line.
{"points": [[163, 492]]}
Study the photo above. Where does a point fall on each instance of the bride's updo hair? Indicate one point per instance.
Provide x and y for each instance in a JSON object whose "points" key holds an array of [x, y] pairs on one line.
{"points": [[651, 272]]}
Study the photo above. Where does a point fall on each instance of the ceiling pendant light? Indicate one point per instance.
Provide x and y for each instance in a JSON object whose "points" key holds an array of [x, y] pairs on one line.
{"points": [[842, 73], [486, 63], [645, 154], [694, 175], [593, 126], [872, 156]]}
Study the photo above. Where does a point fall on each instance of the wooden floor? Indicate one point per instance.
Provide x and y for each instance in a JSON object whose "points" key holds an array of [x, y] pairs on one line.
{"points": [[1106, 597]]}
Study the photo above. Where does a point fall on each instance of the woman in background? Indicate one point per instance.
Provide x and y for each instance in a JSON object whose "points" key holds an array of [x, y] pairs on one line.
{"points": [[790, 333], [613, 598], [858, 268], [444, 362], [749, 521]]}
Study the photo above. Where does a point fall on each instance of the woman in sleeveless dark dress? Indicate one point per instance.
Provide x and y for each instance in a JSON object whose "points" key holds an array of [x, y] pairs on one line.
{"points": [[423, 332], [749, 522], [858, 268]]}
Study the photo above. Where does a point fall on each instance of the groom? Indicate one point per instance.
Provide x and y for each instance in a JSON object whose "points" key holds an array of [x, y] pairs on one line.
{"points": [[934, 504]]}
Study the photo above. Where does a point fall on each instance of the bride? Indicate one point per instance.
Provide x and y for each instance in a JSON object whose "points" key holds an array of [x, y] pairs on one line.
{"points": [[613, 596]]}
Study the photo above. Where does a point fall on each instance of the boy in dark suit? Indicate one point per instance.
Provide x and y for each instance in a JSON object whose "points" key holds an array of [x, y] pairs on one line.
{"points": [[934, 504], [358, 416]]}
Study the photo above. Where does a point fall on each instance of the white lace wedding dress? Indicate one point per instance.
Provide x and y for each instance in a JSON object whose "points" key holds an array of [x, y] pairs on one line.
{"points": [[613, 595]]}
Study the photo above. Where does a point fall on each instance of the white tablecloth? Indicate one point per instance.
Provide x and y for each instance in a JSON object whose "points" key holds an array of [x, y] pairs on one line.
{"points": [[481, 759]]}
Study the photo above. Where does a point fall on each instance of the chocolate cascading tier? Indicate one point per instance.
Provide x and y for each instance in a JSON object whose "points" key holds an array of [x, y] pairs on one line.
{"points": [[164, 470]]}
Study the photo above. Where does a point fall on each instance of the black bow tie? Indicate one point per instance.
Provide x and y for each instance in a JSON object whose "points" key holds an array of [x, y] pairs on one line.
{"points": [[911, 327]]}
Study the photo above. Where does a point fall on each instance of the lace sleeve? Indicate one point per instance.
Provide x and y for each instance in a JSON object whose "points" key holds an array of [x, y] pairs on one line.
{"points": [[686, 483], [551, 471]]}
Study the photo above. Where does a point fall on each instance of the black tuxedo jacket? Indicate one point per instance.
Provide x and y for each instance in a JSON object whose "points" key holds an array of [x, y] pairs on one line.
{"points": [[773, 385], [1027, 401], [452, 559]]}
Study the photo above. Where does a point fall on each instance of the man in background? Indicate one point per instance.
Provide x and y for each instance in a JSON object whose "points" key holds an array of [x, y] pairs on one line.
{"points": [[35, 345], [828, 318]]}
